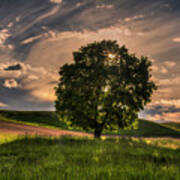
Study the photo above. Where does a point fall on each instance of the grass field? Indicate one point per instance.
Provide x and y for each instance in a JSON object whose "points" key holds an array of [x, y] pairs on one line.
{"points": [[49, 119], [67, 158], [72, 158]]}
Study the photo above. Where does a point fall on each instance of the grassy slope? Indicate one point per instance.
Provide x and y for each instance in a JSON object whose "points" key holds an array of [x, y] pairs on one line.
{"points": [[44, 118], [146, 128], [68, 158], [175, 126]]}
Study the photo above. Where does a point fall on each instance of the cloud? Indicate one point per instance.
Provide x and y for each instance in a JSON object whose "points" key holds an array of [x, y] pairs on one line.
{"points": [[4, 35], [177, 40], [167, 102], [104, 6], [170, 64], [165, 117], [56, 1], [32, 77], [45, 35], [137, 17], [127, 32], [164, 67], [163, 70], [48, 34], [40, 18], [2, 105], [13, 67], [35, 80], [45, 92], [31, 39], [18, 18], [57, 47], [10, 83], [140, 34], [170, 81], [159, 69], [10, 24]]}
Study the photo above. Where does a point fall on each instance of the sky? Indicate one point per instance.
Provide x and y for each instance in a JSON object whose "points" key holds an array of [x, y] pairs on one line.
{"points": [[38, 36]]}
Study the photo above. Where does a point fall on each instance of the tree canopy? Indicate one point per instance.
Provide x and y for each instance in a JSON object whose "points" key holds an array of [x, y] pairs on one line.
{"points": [[104, 86]]}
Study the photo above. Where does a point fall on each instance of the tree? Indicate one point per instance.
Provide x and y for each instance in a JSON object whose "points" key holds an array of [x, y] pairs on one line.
{"points": [[104, 87]]}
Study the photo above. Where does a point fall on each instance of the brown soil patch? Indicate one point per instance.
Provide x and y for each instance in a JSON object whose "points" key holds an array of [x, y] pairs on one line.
{"points": [[21, 129]]}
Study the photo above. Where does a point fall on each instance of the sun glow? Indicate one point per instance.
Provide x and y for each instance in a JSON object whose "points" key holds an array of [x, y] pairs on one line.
{"points": [[111, 56]]}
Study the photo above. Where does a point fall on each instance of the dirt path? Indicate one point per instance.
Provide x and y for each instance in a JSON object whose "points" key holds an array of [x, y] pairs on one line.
{"points": [[21, 129]]}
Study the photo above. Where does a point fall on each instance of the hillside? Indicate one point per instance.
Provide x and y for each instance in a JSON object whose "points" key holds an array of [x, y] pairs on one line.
{"points": [[44, 118], [148, 128], [50, 119], [175, 126]]}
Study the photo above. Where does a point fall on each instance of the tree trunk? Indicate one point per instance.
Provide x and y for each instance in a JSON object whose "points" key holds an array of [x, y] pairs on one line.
{"points": [[97, 133]]}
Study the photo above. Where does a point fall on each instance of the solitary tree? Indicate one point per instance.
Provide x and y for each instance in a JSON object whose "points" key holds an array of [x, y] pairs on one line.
{"points": [[104, 86]]}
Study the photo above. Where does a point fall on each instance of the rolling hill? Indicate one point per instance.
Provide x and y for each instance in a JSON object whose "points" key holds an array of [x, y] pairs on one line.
{"points": [[50, 119]]}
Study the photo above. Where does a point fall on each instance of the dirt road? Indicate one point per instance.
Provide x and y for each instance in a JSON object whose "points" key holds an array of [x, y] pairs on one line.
{"points": [[21, 129]]}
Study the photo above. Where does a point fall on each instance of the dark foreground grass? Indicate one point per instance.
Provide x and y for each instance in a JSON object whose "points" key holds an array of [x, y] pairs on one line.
{"points": [[81, 159]]}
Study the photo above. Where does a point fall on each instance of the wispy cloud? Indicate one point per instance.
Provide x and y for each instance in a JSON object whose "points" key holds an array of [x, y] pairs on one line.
{"points": [[165, 117], [177, 40], [56, 1], [48, 14], [10, 83], [4, 35], [133, 18], [165, 102], [2, 105], [170, 64], [31, 39], [104, 6]]}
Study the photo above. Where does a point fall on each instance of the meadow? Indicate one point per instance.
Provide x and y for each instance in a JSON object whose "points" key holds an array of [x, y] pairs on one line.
{"points": [[151, 152], [32, 158]]}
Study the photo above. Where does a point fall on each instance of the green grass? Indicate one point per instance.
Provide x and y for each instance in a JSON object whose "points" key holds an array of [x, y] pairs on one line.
{"points": [[39, 118], [76, 159], [4, 138], [50, 119], [175, 126], [151, 129]]}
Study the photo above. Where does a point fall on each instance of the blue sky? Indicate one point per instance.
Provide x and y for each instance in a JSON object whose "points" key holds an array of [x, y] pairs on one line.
{"points": [[37, 37]]}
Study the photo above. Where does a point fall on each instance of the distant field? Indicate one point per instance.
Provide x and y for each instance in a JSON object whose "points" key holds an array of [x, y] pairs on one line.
{"points": [[49, 119], [75, 159]]}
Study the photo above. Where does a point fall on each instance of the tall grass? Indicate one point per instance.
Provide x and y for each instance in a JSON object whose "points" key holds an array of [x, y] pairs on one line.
{"points": [[79, 159]]}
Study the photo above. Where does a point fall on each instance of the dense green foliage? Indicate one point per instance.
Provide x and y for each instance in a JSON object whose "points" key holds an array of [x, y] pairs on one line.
{"points": [[75, 159], [106, 86]]}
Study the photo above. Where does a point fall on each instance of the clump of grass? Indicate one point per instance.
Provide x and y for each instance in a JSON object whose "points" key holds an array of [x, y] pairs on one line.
{"points": [[73, 158], [5, 137]]}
